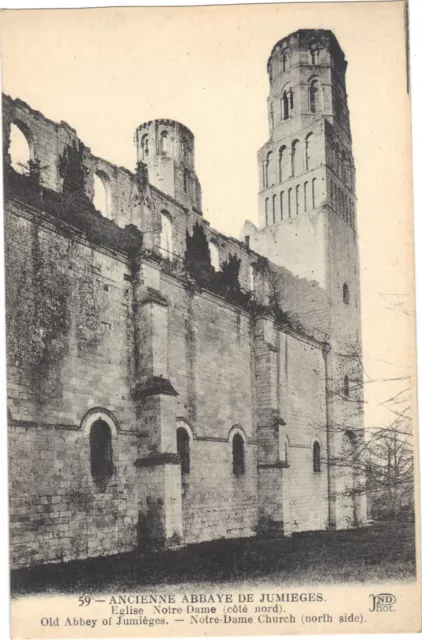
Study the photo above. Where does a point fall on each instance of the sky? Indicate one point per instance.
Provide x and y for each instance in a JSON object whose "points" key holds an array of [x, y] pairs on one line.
{"points": [[106, 71]]}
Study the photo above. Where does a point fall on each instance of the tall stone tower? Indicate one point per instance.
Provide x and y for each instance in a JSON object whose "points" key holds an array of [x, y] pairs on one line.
{"points": [[307, 223], [168, 149]]}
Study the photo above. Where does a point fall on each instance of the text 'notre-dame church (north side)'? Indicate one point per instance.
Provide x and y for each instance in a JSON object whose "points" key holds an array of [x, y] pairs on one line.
{"points": [[167, 384]]}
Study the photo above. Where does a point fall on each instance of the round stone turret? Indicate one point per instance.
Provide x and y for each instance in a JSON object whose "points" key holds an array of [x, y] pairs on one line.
{"points": [[167, 148]]}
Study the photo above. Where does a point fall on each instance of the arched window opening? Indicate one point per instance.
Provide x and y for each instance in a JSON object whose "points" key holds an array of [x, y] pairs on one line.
{"points": [[145, 146], [309, 152], [251, 278], [164, 143], [268, 169], [346, 389], [183, 450], [272, 117], [289, 202], [282, 205], [101, 453], [101, 199], [286, 104], [314, 96], [238, 451], [186, 181], [19, 150], [285, 61], [305, 196], [314, 54], [267, 205], [281, 164], [294, 157], [314, 192], [346, 295], [316, 456], [274, 207], [166, 236], [297, 199], [215, 255]]}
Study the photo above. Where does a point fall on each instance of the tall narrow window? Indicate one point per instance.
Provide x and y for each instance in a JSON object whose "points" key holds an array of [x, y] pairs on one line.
{"points": [[346, 386], [346, 294], [316, 457], [215, 256], [309, 152], [267, 206], [145, 146], [297, 199], [164, 145], [19, 150], [305, 196], [285, 61], [285, 104], [314, 195], [313, 96], [166, 236], [238, 452], [289, 202], [281, 205], [183, 449], [274, 207], [281, 163], [101, 453], [101, 199], [294, 157], [251, 278], [268, 170], [185, 180]]}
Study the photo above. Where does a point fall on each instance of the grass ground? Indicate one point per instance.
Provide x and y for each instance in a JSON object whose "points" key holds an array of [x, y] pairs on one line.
{"points": [[383, 552]]}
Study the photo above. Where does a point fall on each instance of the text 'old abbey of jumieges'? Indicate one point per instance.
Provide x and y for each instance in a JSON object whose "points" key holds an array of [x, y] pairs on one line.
{"points": [[168, 384]]}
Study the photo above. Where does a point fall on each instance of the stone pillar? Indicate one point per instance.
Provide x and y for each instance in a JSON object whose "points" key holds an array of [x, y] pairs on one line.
{"points": [[155, 397], [272, 478]]}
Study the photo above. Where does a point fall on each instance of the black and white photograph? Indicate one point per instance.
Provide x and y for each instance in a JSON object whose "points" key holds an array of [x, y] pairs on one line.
{"points": [[210, 320]]}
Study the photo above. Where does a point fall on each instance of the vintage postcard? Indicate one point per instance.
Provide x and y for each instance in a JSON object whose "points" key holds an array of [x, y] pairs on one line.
{"points": [[209, 277]]}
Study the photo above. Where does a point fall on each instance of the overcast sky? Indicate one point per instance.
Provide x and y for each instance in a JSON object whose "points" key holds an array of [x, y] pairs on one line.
{"points": [[106, 71]]}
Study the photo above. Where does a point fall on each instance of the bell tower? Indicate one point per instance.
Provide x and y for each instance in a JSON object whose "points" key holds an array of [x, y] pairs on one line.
{"points": [[307, 221]]}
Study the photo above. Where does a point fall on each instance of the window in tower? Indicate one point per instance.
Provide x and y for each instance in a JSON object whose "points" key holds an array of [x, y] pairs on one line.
{"points": [[346, 389], [297, 199], [285, 105], [316, 457], [101, 453], [285, 63], [305, 196], [314, 195], [314, 96], [144, 146], [268, 168], [309, 151], [281, 205], [215, 255], [267, 204], [274, 207], [294, 157], [346, 295], [164, 143], [281, 163], [289, 202]]}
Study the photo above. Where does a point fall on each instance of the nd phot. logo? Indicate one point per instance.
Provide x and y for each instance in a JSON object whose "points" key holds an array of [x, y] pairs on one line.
{"points": [[382, 602]]}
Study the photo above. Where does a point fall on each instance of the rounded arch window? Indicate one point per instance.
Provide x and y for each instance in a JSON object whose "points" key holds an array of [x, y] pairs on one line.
{"points": [[183, 450], [287, 102], [19, 149], [166, 235], [294, 157], [314, 96], [145, 146], [101, 453], [215, 255], [164, 143], [238, 455], [285, 60], [346, 294], [316, 457], [101, 199]]}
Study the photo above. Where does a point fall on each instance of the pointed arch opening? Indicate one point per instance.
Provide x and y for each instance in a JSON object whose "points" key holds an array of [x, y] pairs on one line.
{"points": [[20, 148], [102, 193]]}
